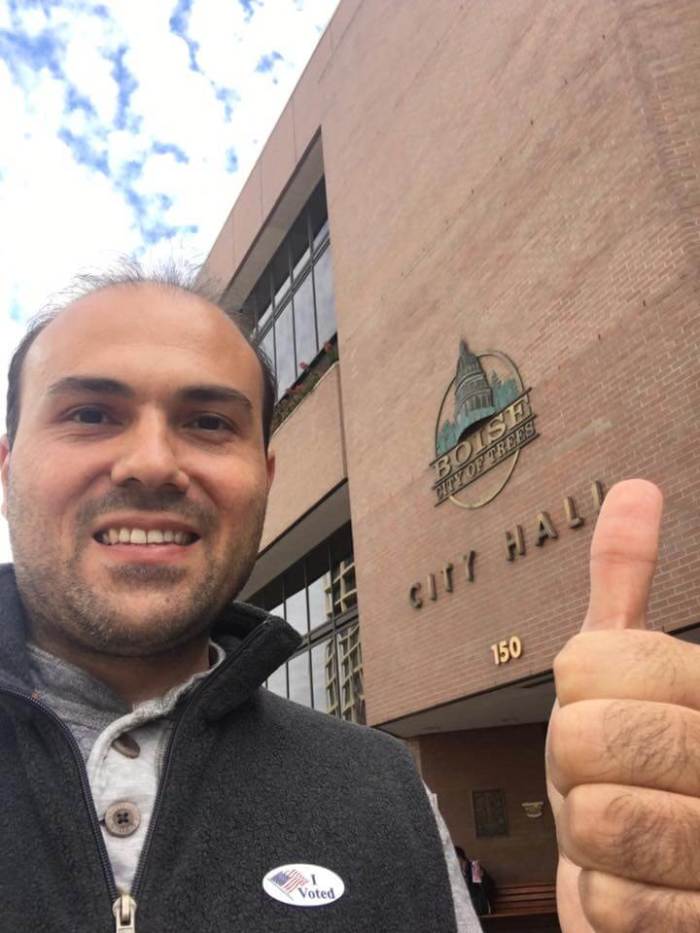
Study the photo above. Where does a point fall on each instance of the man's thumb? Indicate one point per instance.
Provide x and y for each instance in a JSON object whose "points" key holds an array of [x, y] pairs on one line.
{"points": [[623, 556]]}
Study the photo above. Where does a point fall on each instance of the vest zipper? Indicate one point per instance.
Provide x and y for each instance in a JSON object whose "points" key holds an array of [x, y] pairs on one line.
{"points": [[163, 780], [124, 909], [167, 761], [123, 906]]}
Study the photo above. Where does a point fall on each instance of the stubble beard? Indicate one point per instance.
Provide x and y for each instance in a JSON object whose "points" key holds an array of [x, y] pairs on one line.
{"points": [[62, 606]]}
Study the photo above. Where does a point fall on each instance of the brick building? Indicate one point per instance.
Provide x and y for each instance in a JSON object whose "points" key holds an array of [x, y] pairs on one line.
{"points": [[521, 178]]}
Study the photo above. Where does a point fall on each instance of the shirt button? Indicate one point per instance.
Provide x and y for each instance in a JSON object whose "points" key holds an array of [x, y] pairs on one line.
{"points": [[122, 818], [127, 745]]}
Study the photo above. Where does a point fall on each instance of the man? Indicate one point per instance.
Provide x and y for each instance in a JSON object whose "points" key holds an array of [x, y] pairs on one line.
{"points": [[623, 744], [148, 782]]}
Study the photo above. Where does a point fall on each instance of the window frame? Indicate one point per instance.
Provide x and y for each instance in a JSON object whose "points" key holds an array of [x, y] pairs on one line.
{"points": [[313, 252], [338, 551]]}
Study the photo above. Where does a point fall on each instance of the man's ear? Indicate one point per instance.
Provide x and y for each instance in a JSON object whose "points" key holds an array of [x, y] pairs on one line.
{"points": [[270, 456], [4, 470]]}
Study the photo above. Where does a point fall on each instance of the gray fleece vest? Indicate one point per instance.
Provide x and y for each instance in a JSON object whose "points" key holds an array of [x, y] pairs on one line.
{"points": [[250, 783]]}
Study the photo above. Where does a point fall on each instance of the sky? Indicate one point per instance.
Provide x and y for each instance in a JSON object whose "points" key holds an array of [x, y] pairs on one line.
{"points": [[128, 127]]}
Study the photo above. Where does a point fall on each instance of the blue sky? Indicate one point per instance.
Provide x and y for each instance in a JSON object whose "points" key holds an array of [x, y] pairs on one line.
{"points": [[129, 128]]}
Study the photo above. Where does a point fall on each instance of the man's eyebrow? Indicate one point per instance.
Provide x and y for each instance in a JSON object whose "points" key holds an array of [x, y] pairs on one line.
{"points": [[194, 393], [95, 384], [214, 393]]}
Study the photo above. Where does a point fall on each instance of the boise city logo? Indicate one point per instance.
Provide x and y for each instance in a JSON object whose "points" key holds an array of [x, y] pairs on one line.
{"points": [[484, 421]]}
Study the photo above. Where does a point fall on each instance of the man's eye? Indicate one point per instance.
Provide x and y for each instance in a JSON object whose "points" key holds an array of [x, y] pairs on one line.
{"points": [[210, 423], [89, 416]]}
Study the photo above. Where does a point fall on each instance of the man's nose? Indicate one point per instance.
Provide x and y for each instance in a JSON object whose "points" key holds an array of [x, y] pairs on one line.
{"points": [[149, 456]]}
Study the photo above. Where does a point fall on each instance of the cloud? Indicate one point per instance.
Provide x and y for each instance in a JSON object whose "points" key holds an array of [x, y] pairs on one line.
{"points": [[84, 152], [164, 148], [113, 142], [228, 98], [126, 85], [231, 160], [268, 61], [248, 7], [179, 23], [77, 101], [25, 53]]}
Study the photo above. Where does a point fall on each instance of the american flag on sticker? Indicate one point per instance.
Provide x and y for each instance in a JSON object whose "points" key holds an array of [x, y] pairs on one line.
{"points": [[289, 881]]}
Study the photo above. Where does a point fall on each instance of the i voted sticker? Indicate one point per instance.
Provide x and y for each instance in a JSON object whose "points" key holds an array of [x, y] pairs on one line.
{"points": [[303, 885]]}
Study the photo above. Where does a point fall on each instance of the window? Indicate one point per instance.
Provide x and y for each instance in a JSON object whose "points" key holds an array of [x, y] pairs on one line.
{"points": [[292, 307], [317, 596]]}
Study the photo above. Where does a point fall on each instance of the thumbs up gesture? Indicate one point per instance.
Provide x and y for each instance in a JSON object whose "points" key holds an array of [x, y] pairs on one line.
{"points": [[623, 750]]}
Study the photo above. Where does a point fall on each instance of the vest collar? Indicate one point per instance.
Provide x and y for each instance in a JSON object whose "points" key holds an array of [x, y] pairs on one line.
{"points": [[255, 642]]}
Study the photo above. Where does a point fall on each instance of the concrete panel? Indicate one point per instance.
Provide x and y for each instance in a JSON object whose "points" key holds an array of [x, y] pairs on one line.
{"points": [[278, 160], [310, 456], [342, 18], [308, 100], [219, 264], [247, 216]]}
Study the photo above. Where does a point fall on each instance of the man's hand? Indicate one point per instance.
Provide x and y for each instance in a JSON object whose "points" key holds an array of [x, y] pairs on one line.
{"points": [[623, 751]]}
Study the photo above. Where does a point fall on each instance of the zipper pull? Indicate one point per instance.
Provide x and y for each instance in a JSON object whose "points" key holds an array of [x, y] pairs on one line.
{"points": [[124, 909]]}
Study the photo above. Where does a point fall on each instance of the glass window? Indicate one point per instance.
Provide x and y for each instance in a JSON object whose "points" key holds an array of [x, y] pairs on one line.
{"points": [[268, 347], [265, 315], [321, 237], [344, 587], [299, 244], [325, 296], [277, 682], [295, 599], [352, 697], [292, 276], [299, 679], [273, 596], [279, 268], [318, 582], [318, 214], [259, 301], [318, 610], [267, 344], [284, 351], [327, 670], [325, 673], [304, 324], [250, 311]]}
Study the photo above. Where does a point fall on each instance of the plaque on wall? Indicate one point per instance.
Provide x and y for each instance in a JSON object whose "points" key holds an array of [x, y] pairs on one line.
{"points": [[490, 813]]}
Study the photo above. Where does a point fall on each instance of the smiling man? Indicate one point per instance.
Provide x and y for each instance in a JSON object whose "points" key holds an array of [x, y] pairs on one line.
{"points": [[148, 781], [136, 483]]}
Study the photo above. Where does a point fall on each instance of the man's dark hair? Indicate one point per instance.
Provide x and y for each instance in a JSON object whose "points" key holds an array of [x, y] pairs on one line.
{"points": [[130, 273]]}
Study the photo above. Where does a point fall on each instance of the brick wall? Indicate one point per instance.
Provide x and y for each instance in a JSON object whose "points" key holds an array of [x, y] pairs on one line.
{"points": [[524, 176]]}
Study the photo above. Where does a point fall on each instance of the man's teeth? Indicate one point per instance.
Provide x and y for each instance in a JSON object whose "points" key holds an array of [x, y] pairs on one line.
{"points": [[141, 536]]}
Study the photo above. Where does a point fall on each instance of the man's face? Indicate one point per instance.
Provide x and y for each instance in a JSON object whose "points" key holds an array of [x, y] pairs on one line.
{"points": [[136, 486]]}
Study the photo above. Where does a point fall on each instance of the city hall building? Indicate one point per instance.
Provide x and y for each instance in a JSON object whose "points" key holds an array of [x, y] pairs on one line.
{"points": [[470, 247]]}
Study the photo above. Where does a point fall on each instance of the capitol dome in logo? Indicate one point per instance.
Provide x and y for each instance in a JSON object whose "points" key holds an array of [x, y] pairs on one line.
{"points": [[484, 421]]}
